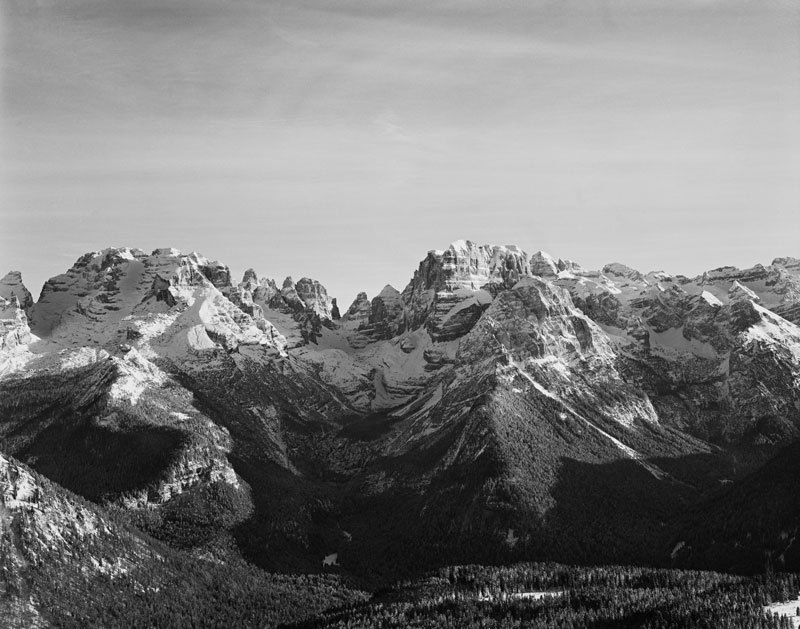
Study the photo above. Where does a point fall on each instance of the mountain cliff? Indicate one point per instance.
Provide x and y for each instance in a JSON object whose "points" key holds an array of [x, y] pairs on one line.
{"points": [[503, 404]]}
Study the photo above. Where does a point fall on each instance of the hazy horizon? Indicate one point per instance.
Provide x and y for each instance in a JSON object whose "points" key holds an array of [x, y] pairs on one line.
{"points": [[342, 141]]}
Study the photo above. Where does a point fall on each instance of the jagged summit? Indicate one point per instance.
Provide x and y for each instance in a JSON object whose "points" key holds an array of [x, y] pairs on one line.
{"points": [[11, 286], [446, 295], [497, 390]]}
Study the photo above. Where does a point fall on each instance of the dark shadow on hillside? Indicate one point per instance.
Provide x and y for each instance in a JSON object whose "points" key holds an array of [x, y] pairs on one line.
{"points": [[398, 516], [61, 425], [748, 526], [98, 462], [609, 513], [368, 428], [617, 513]]}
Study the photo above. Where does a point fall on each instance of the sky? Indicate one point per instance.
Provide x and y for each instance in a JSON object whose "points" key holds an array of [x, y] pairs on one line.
{"points": [[342, 140]]}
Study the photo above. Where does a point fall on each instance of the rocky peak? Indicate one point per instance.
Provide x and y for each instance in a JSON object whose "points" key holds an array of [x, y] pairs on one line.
{"points": [[386, 307], [623, 271], [568, 265], [11, 286], [466, 265], [379, 319], [305, 296], [788, 263], [739, 292], [359, 307], [543, 264], [123, 295], [254, 289], [249, 279], [290, 297], [217, 273], [314, 297], [194, 269], [358, 314], [727, 274], [448, 278], [14, 330]]}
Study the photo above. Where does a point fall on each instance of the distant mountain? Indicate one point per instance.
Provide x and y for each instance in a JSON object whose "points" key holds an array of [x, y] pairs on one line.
{"points": [[502, 406]]}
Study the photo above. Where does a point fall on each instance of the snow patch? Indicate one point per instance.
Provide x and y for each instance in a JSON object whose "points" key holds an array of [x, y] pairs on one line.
{"points": [[535, 595], [331, 560], [787, 609], [710, 298], [137, 374], [775, 330], [82, 357], [470, 298], [197, 338]]}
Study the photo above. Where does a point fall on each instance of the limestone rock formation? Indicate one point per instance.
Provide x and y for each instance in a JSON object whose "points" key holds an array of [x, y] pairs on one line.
{"points": [[14, 330], [11, 286], [359, 311], [470, 398]]}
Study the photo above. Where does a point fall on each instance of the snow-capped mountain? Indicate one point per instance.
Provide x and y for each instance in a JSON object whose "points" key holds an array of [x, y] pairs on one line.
{"points": [[502, 402]]}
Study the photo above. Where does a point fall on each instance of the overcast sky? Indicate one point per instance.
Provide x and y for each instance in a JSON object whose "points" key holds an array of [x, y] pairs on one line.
{"points": [[341, 140]]}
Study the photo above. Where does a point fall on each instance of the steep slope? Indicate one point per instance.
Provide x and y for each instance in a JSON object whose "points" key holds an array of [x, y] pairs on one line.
{"points": [[501, 405], [64, 562], [14, 332], [11, 286], [110, 428], [714, 360]]}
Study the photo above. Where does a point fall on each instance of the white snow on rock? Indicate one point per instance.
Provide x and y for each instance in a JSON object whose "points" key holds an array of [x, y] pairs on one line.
{"points": [[470, 298], [786, 609], [81, 357], [740, 291], [774, 330], [626, 450], [137, 374], [710, 298]]}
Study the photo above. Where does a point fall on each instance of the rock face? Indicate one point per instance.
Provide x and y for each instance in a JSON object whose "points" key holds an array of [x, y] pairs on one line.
{"points": [[498, 390], [120, 295], [14, 330], [15, 302], [11, 286], [359, 311], [463, 266], [696, 337]]}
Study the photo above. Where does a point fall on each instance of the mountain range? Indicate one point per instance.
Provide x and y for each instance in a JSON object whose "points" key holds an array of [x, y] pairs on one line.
{"points": [[504, 406]]}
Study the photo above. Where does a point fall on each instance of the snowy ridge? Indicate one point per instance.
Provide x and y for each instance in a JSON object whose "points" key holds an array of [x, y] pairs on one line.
{"points": [[495, 377], [407, 353]]}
